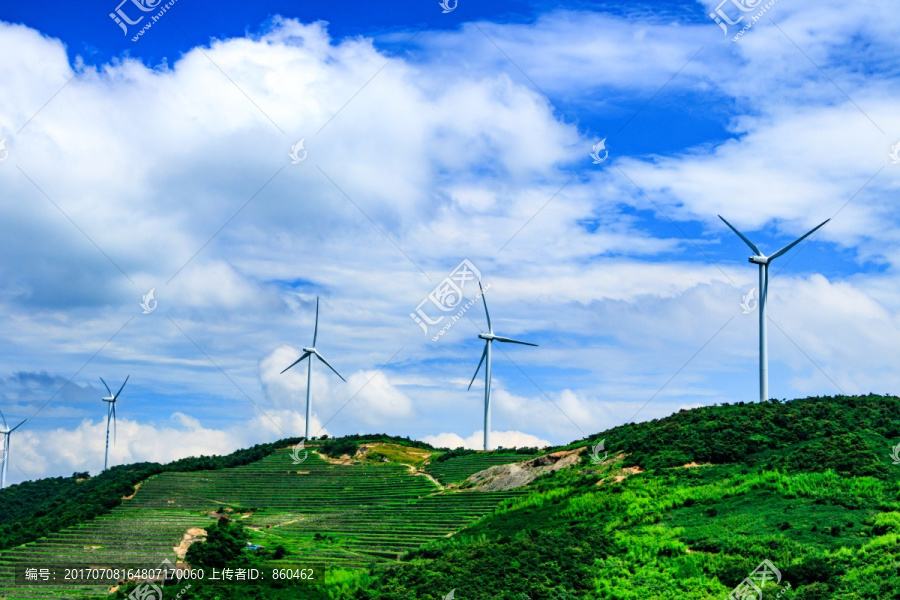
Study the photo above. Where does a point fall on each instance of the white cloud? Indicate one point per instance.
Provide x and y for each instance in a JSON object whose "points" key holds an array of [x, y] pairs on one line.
{"points": [[450, 151], [507, 439]]}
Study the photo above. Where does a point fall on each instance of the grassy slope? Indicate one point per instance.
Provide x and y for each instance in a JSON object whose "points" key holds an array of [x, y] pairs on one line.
{"points": [[332, 516], [808, 484], [35, 509]]}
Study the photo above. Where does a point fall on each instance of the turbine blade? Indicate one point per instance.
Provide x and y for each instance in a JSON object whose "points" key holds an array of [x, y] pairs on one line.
{"points": [[322, 358], [305, 354], [316, 330], [798, 240], [486, 313], [123, 386], [19, 425], [5, 426], [741, 235], [512, 341], [106, 386], [483, 354], [114, 422]]}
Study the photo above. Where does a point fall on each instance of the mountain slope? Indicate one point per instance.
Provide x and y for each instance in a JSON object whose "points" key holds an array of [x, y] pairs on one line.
{"points": [[808, 485], [684, 507]]}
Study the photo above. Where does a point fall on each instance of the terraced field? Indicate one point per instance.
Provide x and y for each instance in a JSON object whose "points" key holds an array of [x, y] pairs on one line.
{"points": [[458, 469], [326, 515]]}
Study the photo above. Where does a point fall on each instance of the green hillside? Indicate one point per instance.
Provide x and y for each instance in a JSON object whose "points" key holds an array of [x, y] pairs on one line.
{"points": [[684, 507], [458, 468]]}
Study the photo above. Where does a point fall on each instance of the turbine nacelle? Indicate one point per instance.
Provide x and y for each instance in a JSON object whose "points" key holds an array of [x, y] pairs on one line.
{"points": [[308, 353], [763, 261], [111, 416], [486, 360]]}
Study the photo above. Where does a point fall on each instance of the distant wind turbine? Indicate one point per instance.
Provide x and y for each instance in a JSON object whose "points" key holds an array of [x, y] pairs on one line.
{"points": [[111, 416], [6, 433], [763, 261], [307, 352], [488, 338]]}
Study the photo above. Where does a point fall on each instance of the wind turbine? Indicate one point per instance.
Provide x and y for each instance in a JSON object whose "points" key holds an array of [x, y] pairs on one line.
{"points": [[307, 352], [488, 338], [111, 415], [763, 261], [6, 433]]}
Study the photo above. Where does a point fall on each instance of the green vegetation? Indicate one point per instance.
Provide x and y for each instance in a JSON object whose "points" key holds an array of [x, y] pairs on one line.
{"points": [[807, 484], [223, 547], [683, 508], [459, 467], [35, 509], [338, 519]]}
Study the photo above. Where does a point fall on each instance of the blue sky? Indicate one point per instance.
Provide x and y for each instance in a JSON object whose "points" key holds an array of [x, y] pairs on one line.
{"points": [[431, 138]]}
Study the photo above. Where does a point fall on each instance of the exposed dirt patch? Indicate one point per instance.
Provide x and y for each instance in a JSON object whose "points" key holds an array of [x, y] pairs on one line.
{"points": [[343, 460], [694, 465], [194, 534], [137, 486], [624, 473], [92, 547], [515, 475]]}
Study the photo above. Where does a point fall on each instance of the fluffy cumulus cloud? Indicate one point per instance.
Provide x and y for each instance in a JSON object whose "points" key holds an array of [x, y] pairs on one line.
{"points": [[369, 395], [177, 178]]}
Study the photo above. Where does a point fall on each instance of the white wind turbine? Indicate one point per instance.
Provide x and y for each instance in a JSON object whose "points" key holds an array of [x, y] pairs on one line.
{"points": [[6, 433], [488, 338], [111, 416], [307, 352], [763, 261]]}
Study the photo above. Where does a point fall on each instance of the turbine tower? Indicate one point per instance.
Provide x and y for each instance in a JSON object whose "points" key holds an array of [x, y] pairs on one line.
{"points": [[488, 338], [111, 416], [763, 261], [307, 352], [6, 433]]}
